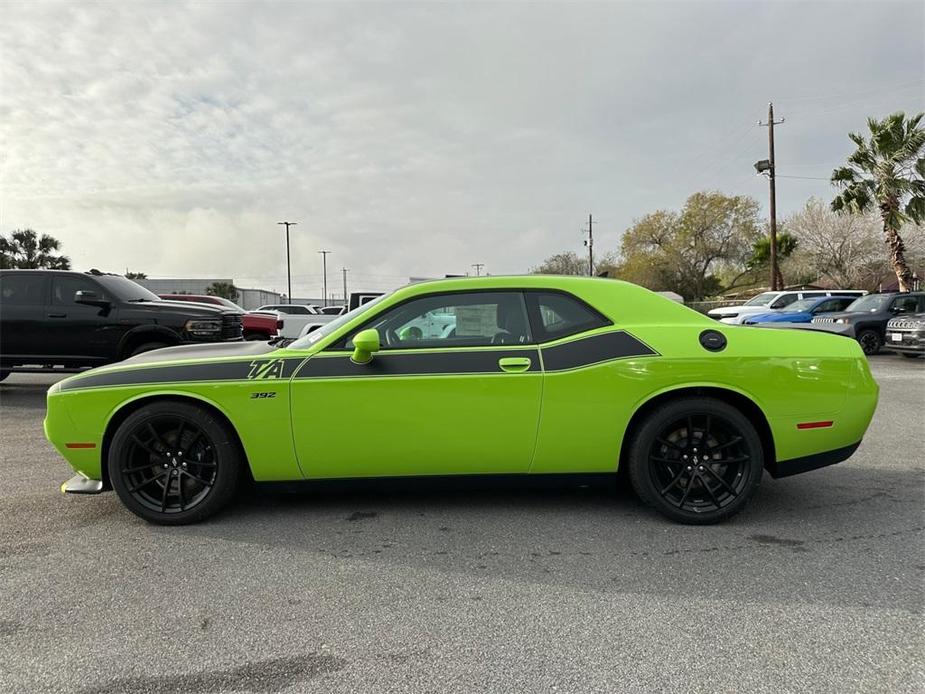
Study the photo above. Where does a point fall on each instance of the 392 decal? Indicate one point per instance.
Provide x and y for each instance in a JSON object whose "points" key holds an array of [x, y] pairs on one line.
{"points": [[263, 396]]}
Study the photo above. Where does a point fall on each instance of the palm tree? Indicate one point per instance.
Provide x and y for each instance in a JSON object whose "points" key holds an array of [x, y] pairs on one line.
{"points": [[888, 171], [26, 250], [224, 289], [761, 253]]}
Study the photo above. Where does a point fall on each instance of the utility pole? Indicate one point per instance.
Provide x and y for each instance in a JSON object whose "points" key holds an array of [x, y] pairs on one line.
{"points": [[324, 265], [771, 181], [344, 271], [288, 267], [478, 268], [589, 242]]}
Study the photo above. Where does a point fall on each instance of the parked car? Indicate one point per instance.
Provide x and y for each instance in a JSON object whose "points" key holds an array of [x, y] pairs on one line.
{"points": [[773, 301], [260, 325], [293, 309], [906, 335], [802, 311], [542, 375], [294, 325], [333, 310], [866, 319], [204, 299], [64, 319]]}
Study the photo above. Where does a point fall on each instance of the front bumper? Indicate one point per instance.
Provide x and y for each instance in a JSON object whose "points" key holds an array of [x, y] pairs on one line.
{"points": [[79, 484], [912, 341]]}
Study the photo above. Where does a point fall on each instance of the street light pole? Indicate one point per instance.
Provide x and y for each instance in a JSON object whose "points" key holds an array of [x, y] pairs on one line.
{"points": [[288, 266], [324, 265]]}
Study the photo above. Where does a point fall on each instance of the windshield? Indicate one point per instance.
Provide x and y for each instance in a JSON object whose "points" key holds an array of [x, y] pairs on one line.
{"points": [[334, 325], [762, 299], [125, 289], [871, 303], [801, 305]]}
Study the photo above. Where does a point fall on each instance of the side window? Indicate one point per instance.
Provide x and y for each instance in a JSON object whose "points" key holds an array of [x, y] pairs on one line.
{"points": [[843, 303], [560, 315], [63, 288], [829, 306], [476, 319], [905, 304], [22, 290], [784, 300]]}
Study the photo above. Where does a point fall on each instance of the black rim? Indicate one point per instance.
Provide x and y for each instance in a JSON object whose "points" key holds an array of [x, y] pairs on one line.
{"points": [[700, 463], [869, 342], [170, 466]]}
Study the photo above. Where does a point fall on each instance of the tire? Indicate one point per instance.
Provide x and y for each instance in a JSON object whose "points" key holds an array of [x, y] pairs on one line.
{"points": [[197, 454], [870, 342], [907, 355], [255, 337], [666, 463]]}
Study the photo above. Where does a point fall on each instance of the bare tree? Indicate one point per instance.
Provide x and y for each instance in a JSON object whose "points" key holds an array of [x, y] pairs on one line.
{"points": [[847, 249]]}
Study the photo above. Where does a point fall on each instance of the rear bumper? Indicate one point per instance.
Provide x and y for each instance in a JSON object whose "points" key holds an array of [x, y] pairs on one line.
{"points": [[795, 466]]}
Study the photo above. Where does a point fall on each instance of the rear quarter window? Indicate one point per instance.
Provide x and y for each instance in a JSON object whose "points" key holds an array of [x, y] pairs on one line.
{"points": [[557, 315]]}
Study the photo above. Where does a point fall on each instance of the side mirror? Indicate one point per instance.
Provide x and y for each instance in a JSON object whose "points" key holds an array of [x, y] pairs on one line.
{"points": [[365, 344], [90, 299]]}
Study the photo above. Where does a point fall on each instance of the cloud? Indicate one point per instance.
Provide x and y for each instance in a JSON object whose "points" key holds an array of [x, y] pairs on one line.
{"points": [[416, 139]]}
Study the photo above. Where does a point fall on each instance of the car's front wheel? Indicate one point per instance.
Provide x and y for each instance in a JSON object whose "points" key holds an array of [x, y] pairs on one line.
{"points": [[174, 463], [870, 342], [696, 460]]}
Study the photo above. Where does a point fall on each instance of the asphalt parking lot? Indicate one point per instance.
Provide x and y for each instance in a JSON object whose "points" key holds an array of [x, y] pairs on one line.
{"points": [[817, 586]]}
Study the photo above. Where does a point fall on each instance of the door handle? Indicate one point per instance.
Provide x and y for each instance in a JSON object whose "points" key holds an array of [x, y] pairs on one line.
{"points": [[57, 315], [514, 364]]}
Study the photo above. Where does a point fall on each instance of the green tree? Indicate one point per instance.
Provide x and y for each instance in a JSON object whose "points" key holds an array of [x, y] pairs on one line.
{"points": [[136, 276], [26, 250], [887, 171], [761, 254], [223, 289], [691, 251]]}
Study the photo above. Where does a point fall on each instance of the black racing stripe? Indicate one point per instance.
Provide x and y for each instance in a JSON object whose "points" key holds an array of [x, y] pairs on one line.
{"points": [[593, 350], [415, 364], [256, 369]]}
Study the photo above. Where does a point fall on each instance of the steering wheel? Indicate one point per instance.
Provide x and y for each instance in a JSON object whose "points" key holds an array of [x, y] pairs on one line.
{"points": [[502, 337]]}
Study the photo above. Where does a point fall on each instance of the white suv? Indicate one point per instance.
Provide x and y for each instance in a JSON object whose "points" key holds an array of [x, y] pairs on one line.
{"points": [[773, 301]]}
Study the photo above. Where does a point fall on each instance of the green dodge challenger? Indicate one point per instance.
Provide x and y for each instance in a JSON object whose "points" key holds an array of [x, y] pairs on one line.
{"points": [[477, 376]]}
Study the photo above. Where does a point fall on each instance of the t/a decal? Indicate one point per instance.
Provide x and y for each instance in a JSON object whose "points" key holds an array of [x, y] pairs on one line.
{"points": [[266, 370]]}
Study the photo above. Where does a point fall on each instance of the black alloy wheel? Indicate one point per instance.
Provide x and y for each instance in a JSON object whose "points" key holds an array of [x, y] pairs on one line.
{"points": [[174, 463], [870, 342], [697, 460]]}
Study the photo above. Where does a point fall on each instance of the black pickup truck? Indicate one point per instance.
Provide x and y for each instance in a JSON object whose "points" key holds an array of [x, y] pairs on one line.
{"points": [[60, 319]]}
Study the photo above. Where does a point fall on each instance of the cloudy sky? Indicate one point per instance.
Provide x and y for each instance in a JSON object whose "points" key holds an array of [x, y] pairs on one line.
{"points": [[417, 139]]}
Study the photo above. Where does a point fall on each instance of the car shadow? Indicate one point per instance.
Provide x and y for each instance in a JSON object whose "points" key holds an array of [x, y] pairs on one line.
{"points": [[600, 537]]}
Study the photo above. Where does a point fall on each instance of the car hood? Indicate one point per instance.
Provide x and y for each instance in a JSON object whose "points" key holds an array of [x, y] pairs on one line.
{"points": [[848, 314], [186, 307], [212, 350]]}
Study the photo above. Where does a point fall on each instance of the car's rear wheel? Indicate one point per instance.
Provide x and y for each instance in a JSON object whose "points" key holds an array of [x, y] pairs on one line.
{"points": [[174, 463], [696, 460], [870, 341]]}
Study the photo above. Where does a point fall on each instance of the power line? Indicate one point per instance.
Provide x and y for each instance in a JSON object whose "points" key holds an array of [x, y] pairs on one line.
{"points": [[805, 178]]}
